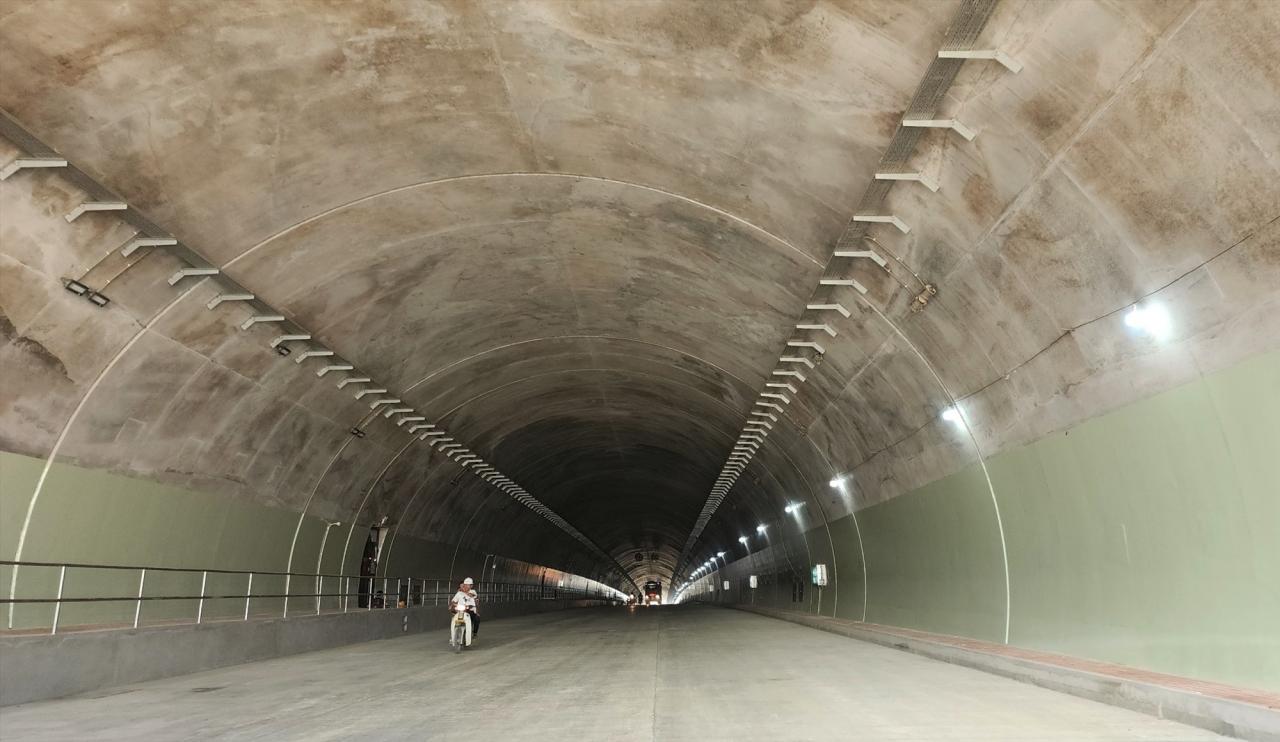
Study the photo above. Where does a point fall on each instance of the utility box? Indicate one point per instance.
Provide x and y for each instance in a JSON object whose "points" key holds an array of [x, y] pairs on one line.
{"points": [[820, 575], [753, 582]]}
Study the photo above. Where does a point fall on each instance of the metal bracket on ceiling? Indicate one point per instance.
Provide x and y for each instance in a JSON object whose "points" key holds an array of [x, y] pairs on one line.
{"points": [[23, 163], [137, 243], [761, 413], [88, 206], [868, 254], [354, 380], [215, 301], [883, 219], [824, 327], [770, 405], [364, 392], [375, 404], [304, 355], [996, 55], [335, 367], [782, 385], [794, 359], [187, 272], [829, 307], [773, 395], [413, 419], [806, 344], [924, 180], [290, 338], [434, 434], [843, 282], [255, 319], [414, 428], [952, 124], [396, 411]]}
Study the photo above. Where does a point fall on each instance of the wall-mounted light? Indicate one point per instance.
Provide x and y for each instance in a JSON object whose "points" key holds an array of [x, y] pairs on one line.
{"points": [[760, 529], [357, 432], [75, 287], [952, 415], [793, 507], [742, 539], [98, 300], [720, 554], [1153, 320]]}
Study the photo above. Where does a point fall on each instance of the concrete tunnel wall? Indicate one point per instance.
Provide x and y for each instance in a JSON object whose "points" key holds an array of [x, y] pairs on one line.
{"points": [[584, 262]]}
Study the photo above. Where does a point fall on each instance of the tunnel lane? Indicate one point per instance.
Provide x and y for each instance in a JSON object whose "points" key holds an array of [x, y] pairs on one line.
{"points": [[670, 673]]}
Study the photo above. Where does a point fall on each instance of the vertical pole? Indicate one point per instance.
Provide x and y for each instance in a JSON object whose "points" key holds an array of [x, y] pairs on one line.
{"points": [[137, 608], [204, 579], [319, 590], [398, 594], [384, 593], [248, 593], [346, 591], [435, 596], [57, 607]]}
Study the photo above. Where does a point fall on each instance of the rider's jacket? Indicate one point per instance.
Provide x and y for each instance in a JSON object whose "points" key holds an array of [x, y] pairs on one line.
{"points": [[464, 600]]}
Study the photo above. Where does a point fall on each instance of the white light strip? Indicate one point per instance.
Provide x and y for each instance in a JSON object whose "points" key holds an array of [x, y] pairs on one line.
{"points": [[773, 395], [379, 402], [871, 255], [397, 411], [414, 428], [770, 404], [796, 374], [364, 392], [354, 380], [781, 385], [412, 419], [796, 359], [762, 413]]}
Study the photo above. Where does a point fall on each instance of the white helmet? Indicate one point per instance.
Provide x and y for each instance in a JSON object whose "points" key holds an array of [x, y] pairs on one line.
{"points": [[468, 581]]}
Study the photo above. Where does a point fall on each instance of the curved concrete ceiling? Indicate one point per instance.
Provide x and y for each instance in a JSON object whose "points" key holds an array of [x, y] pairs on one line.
{"points": [[579, 236]]}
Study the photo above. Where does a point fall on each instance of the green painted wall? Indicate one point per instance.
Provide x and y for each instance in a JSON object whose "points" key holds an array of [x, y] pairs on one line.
{"points": [[1149, 536]]}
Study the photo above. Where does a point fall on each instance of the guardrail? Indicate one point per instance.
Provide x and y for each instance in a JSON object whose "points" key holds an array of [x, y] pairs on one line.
{"points": [[371, 593]]}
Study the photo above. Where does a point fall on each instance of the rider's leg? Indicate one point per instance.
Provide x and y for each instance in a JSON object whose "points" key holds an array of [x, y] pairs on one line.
{"points": [[475, 625]]}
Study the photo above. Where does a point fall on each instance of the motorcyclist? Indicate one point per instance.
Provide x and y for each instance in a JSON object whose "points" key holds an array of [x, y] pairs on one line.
{"points": [[466, 599]]}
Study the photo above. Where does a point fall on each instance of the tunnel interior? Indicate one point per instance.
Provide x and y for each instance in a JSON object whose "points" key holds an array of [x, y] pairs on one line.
{"points": [[718, 295]]}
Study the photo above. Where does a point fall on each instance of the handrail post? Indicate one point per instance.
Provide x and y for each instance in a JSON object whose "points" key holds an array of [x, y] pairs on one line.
{"points": [[248, 593], [398, 593], [384, 593], [319, 590], [204, 579], [57, 607], [346, 591], [137, 608], [435, 595]]}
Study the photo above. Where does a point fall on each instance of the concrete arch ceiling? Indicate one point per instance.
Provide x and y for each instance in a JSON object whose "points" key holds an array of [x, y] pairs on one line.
{"points": [[579, 233]]}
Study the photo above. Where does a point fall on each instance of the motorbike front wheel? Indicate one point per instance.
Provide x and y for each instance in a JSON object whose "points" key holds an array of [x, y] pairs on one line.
{"points": [[459, 636]]}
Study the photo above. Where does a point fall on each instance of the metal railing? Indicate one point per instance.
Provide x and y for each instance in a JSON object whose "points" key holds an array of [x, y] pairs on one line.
{"points": [[371, 593]]}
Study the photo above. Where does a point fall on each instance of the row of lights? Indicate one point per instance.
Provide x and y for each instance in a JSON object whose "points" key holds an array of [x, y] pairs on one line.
{"points": [[390, 407]]}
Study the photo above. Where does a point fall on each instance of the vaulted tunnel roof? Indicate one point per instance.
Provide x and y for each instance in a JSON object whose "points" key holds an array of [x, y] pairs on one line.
{"points": [[579, 235]]}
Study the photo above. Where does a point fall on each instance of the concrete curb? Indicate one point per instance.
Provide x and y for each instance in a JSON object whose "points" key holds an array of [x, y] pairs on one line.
{"points": [[1223, 716]]}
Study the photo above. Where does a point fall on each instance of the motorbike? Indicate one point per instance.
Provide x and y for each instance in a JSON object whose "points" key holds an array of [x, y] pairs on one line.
{"points": [[460, 630]]}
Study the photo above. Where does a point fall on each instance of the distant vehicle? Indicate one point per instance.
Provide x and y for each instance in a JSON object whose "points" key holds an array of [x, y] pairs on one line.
{"points": [[652, 592]]}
